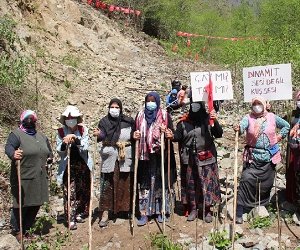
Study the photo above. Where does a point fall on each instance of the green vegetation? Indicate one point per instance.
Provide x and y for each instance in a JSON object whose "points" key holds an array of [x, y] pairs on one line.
{"points": [[161, 241], [259, 222], [220, 239]]}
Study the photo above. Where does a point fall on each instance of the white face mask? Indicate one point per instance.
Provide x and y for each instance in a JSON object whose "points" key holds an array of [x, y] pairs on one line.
{"points": [[71, 123], [298, 104], [114, 112], [195, 107], [258, 109]]}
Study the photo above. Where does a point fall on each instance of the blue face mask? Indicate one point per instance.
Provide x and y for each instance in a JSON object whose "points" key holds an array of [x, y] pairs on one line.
{"points": [[151, 106]]}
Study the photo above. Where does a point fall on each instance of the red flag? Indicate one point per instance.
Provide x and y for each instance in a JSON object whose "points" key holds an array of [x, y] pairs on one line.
{"points": [[209, 90]]}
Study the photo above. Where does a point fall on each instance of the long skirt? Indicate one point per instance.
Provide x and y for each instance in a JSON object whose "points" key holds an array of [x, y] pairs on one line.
{"points": [[80, 182], [293, 180], [150, 186], [255, 185], [198, 181], [116, 191]]}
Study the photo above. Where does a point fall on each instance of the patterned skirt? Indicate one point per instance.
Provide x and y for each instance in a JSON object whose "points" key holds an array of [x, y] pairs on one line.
{"points": [[116, 191], [80, 181], [198, 181], [150, 187]]}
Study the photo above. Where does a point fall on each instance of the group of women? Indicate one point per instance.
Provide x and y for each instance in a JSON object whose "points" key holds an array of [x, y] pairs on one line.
{"points": [[195, 133]]}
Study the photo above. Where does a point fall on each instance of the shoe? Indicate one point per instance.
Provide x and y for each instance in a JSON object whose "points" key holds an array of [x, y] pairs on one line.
{"points": [[142, 221], [18, 237], [73, 226], [160, 220], [31, 236], [103, 223], [239, 220], [79, 219], [192, 216], [208, 218], [185, 208]]}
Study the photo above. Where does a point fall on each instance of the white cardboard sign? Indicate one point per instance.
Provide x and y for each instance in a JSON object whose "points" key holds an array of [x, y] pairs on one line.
{"points": [[273, 82], [221, 81]]}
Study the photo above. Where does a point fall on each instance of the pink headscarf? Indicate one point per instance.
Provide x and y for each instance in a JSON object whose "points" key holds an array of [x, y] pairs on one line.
{"points": [[298, 94], [27, 113], [261, 100]]}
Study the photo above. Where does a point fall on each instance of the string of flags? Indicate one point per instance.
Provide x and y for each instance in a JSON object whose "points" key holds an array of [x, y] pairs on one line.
{"points": [[189, 35], [111, 8], [233, 39]]}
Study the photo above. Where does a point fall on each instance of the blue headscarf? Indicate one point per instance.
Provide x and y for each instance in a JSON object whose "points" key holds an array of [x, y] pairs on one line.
{"points": [[150, 116]]}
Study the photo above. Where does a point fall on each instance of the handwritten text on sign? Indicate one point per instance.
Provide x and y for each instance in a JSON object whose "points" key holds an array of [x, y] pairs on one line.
{"points": [[221, 81], [273, 82]]}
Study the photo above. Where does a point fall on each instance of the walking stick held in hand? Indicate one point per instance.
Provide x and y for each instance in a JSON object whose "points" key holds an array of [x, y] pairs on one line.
{"points": [[91, 194], [136, 163], [235, 187], [18, 163], [163, 210], [69, 195]]}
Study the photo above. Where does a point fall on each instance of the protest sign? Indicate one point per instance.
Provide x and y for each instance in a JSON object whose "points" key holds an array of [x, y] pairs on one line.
{"points": [[221, 81], [273, 82]]}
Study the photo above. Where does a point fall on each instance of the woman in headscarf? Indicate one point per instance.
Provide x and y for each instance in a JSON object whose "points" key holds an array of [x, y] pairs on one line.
{"points": [[260, 157], [32, 149], [293, 155], [114, 130], [74, 137], [198, 155], [148, 125]]}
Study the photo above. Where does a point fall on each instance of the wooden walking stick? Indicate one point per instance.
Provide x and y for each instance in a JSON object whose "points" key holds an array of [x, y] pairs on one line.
{"points": [[136, 164], [69, 195], [235, 186], [18, 163], [163, 209], [91, 194]]}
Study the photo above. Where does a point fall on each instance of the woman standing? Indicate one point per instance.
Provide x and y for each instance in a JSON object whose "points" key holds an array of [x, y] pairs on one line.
{"points": [[198, 155], [148, 124], [260, 157], [293, 156], [33, 150], [114, 130], [74, 137]]}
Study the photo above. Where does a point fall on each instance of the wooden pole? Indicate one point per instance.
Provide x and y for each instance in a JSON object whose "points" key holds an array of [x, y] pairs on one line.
{"points": [[278, 213], [169, 187], [163, 209], [18, 163], [226, 208], [69, 195], [91, 194], [235, 186], [136, 164]]}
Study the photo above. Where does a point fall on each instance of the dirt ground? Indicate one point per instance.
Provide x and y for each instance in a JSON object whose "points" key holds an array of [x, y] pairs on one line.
{"points": [[118, 233]]}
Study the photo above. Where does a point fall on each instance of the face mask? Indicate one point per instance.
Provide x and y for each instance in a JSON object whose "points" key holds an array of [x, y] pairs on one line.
{"points": [[114, 112], [29, 124], [258, 109], [71, 123], [195, 107], [151, 106], [298, 104]]}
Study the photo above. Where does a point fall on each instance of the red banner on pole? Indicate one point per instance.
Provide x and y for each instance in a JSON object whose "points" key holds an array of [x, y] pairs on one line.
{"points": [[210, 101]]}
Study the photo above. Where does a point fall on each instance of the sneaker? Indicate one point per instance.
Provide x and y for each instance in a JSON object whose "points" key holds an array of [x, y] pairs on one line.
{"points": [[239, 220], [208, 218], [73, 226], [103, 223], [160, 220], [192, 216], [142, 221], [18, 237], [79, 219]]}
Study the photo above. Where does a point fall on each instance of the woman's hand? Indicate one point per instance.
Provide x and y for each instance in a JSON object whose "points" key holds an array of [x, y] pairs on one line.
{"points": [[96, 132], [18, 154], [213, 115], [279, 137], [169, 134], [136, 135], [69, 139], [236, 127]]}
